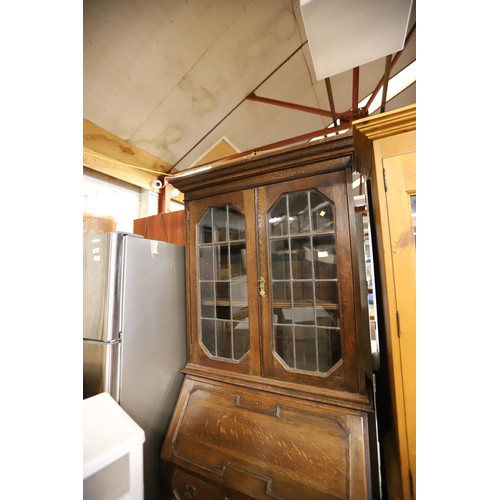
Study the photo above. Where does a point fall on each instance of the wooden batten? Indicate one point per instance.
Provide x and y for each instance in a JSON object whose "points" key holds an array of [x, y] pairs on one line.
{"points": [[110, 155]]}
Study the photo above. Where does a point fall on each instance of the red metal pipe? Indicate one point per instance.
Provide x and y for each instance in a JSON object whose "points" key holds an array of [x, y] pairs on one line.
{"points": [[345, 116], [161, 200], [330, 98], [278, 144], [304, 137], [386, 82], [355, 89], [284, 104]]}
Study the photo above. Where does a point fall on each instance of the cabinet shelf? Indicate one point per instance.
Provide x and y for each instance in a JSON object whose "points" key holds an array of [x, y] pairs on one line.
{"points": [[277, 304], [305, 234], [223, 303], [222, 243], [282, 304]]}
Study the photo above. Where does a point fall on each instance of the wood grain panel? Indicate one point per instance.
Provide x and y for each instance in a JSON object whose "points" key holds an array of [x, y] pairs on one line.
{"points": [[268, 446], [187, 486], [169, 227]]}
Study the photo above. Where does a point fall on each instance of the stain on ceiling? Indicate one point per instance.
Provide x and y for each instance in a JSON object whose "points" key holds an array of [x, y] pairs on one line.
{"points": [[173, 77]]}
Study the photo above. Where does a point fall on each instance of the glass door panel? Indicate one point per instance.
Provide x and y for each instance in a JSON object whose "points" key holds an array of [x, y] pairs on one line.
{"points": [[223, 284], [306, 326]]}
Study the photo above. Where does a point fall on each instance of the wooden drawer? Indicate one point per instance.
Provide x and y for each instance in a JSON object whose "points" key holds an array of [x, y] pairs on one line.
{"points": [[187, 486], [265, 445]]}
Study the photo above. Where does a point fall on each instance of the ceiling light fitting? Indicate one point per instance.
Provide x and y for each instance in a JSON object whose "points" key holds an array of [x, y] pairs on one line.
{"points": [[372, 29]]}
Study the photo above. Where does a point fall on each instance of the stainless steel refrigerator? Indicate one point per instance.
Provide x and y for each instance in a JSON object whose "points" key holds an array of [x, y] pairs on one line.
{"points": [[134, 332]]}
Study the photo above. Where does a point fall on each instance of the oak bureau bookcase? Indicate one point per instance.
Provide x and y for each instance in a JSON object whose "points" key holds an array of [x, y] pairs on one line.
{"points": [[276, 400]]}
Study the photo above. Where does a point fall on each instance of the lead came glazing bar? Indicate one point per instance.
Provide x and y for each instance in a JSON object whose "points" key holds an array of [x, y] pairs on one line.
{"points": [[290, 269], [306, 330], [221, 243], [309, 209], [214, 287], [229, 275]]}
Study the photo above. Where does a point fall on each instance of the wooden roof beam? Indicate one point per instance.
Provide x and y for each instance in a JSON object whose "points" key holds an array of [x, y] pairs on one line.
{"points": [[110, 155]]}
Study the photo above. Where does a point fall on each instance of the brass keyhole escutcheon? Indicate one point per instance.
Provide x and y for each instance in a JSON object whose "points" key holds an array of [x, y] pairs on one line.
{"points": [[262, 283]]}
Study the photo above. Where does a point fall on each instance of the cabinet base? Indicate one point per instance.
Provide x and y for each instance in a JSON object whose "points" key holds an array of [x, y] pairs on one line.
{"points": [[235, 442]]}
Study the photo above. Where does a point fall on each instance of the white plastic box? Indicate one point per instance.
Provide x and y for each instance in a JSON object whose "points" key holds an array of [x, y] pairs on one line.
{"points": [[112, 451]]}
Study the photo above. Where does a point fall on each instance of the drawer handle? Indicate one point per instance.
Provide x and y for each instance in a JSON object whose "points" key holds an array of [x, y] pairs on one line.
{"points": [[262, 283], [190, 491], [273, 410]]}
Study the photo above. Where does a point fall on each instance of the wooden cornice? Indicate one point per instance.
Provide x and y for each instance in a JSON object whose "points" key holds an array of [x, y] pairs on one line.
{"points": [[110, 155], [311, 158], [372, 128]]}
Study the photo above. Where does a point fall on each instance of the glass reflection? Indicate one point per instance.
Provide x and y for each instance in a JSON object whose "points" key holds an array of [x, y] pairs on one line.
{"points": [[305, 348], [329, 351], [205, 228], [236, 225], [321, 213], [208, 335], [327, 317], [206, 261], [284, 344], [221, 291], [325, 259], [207, 300], [223, 286], [302, 293], [239, 313], [326, 293], [280, 259], [301, 258], [224, 340], [281, 292], [306, 321], [241, 338], [298, 206], [220, 223], [238, 260], [278, 219], [239, 291], [304, 316], [221, 262]]}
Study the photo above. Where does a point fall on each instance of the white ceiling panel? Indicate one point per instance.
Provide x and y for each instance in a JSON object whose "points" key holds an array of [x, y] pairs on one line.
{"points": [[242, 57], [171, 77]]}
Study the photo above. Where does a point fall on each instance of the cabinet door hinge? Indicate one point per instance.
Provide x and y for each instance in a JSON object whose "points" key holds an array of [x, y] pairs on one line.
{"points": [[385, 179], [188, 215], [398, 324]]}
